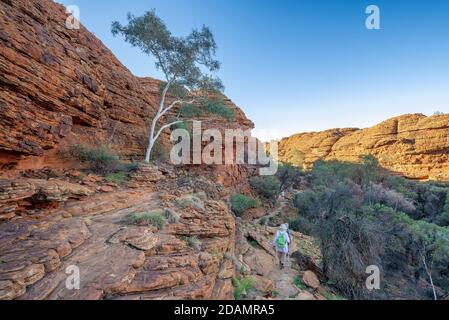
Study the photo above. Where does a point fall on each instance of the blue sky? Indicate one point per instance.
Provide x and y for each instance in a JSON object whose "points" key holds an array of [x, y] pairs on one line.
{"points": [[306, 65]]}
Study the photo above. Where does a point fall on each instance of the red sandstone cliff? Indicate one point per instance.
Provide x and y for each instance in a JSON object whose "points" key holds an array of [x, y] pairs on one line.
{"points": [[413, 145], [59, 84]]}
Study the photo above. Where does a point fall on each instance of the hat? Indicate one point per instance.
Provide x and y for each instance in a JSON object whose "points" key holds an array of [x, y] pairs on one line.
{"points": [[283, 227]]}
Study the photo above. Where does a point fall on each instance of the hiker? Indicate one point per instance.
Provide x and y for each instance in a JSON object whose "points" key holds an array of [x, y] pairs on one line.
{"points": [[281, 196], [281, 243]]}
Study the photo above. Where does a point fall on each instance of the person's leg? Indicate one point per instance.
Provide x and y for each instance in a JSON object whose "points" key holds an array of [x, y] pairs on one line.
{"points": [[279, 256], [283, 257]]}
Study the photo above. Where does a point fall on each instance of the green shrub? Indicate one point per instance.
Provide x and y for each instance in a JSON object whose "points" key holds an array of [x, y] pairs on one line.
{"points": [[218, 107], [101, 159], [263, 221], [185, 125], [362, 216], [446, 204], [153, 218], [190, 111], [117, 178], [443, 219], [305, 202], [242, 286], [160, 151], [191, 201], [171, 216], [301, 224], [240, 203], [194, 243], [267, 186], [298, 283], [289, 176], [331, 296]]}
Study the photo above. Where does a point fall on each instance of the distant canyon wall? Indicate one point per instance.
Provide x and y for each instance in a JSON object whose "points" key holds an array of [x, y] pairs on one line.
{"points": [[413, 145]]}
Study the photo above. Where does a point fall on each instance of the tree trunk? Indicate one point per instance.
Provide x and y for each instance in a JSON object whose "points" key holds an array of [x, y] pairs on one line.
{"points": [[430, 277], [149, 149], [151, 140]]}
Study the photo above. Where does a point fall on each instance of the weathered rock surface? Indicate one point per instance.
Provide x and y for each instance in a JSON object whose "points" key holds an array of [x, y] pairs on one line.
{"points": [[117, 260], [311, 280], [15, 194], [413, 145]]}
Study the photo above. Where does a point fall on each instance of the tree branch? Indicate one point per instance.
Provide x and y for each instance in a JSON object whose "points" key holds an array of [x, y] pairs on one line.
{"points": [[180, 102], [164, 94], [165, 127], [430, 275]]}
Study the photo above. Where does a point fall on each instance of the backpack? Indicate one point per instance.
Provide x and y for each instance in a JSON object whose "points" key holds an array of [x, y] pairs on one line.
{"points": [[281, 240]]}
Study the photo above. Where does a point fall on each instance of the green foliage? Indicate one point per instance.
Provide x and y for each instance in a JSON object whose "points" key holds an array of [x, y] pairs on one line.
{"points": [[194, 242], [267, 186], [301, 224], [191, 201], [305, 202], [443, 219], [117, 178], [190, 111], [376, 193], [100, 158], [330, 296], [363, 216], [181, 59], [153, 218], [288, 175], [298, 283], [240, 203], [446, 204], [263, 221], [160, 151], [369, 161], [242, 286], [428, 234], [218, 107]]}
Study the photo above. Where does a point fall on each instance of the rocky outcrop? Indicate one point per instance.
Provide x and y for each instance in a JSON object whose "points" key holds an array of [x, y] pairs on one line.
{"points": [[412, 145], [59, 85], [118, 260], [19, 194]]}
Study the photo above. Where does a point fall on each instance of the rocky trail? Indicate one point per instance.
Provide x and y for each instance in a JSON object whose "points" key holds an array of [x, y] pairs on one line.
{"points": [[275, 213], [283, 281], [189, 258], [259, 262]]}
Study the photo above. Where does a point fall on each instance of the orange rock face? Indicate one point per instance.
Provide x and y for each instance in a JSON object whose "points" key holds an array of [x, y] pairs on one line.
{"points": [[59, 84], [413, 145], [118, 260]]}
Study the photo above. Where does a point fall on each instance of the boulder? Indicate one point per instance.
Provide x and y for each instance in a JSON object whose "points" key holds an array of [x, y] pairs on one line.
{"points": [[305, 295], [262, 284], [311, 280], [259, 262]]}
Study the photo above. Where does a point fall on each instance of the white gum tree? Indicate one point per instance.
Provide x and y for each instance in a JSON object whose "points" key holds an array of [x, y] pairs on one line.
{"points": [[188, 64]]}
